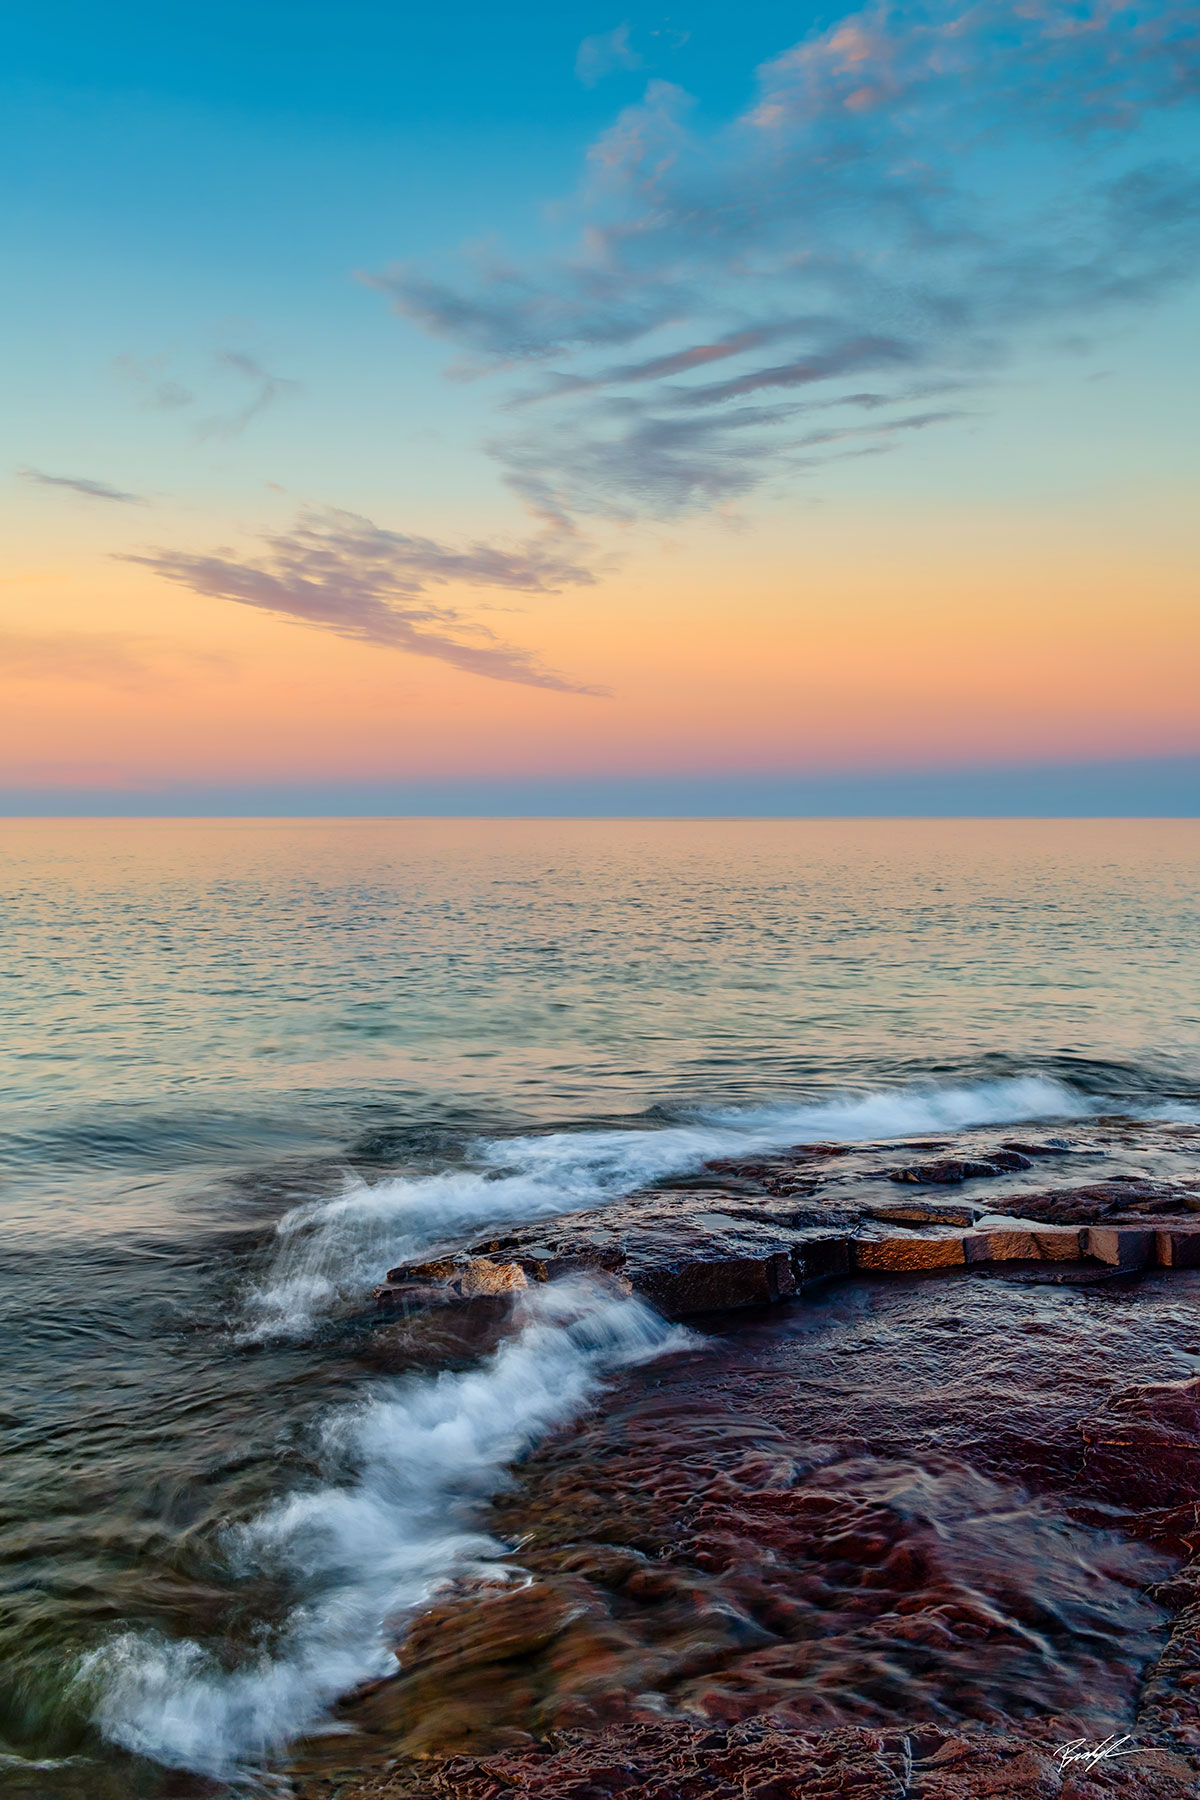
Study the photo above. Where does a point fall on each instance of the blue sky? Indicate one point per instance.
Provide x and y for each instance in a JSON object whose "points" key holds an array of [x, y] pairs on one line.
{"points": [[541, 299]]}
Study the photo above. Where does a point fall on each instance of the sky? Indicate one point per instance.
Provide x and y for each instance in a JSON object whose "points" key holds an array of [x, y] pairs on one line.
{"points": [[574, 409]]}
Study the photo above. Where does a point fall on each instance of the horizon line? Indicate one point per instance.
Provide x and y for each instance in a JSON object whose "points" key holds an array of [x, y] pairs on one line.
{"points": [[1127, 787], [679, 818]]}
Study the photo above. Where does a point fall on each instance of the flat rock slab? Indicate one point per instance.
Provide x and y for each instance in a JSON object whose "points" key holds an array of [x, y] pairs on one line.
{"points": [[1015, 1240], [902, 1255], [1124, 1247], [1100, 1200], [1036, 1273], [949, 1171], [1177, 1244], [751, 1232], [926, 1212]]}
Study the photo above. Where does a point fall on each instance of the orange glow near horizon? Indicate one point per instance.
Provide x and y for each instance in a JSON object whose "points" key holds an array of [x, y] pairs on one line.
{"points": [[911, 644]]}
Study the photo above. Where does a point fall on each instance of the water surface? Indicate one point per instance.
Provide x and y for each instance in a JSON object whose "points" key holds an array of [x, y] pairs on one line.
{"points": [[248, 1064]]}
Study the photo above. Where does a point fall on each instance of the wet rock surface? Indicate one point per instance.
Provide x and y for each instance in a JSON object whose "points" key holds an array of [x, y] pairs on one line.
{"points": [[920, 1509], [753, 1232], [767, 1759]]}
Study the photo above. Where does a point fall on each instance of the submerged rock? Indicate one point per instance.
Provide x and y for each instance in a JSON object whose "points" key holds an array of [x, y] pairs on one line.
{"points": [[957, 1169], [822, 1557], [917, 1554], [774, 1759]]}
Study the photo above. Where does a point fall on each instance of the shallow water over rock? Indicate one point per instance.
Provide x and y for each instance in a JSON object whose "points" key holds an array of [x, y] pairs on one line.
{"points": [[937, 1503], [253, 1068]]}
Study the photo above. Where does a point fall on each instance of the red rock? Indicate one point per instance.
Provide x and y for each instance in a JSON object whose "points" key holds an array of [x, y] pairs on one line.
{"points": [[542, 1264], [1000, 1246], [926, 1212], [949, 1171], [1178, 1246], [1008, 1243], [482, 1276], [1122, 1247], [1062, 1245], [896, 1255], [436, 1273], [1097, 1201], [682, 1288]]}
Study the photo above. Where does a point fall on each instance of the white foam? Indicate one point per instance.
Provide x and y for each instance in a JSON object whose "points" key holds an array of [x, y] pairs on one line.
{"points": [[331, 1251], [1172, 1112], [426, 1454]]}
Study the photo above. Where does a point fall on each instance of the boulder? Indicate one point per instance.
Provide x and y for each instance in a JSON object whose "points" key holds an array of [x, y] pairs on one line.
{"points": [[1009, 1160]]}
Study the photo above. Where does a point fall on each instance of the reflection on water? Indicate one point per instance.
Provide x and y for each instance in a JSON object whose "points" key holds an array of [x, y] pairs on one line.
{"points": [[372, 1031]]}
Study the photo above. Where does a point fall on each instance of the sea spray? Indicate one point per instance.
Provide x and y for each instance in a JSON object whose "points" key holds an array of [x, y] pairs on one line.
{"points": [[328, 1253], [424, 1456], [425, 1453]]}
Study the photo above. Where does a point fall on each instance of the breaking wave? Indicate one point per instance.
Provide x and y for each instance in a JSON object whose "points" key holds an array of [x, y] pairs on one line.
{"points": [[330, 1252], [426, 1454]]}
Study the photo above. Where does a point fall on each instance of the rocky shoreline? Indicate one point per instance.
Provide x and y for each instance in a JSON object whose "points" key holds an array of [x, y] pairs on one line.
{"points": [[921, 1509], [753, 1232]]}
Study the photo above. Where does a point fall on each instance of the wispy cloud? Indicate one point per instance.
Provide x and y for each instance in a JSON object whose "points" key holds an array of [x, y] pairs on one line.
{"points": [[148, 377], [911, 195], [604, 53], [79, 484], [342, 572], [674, 465], [266, 389]]}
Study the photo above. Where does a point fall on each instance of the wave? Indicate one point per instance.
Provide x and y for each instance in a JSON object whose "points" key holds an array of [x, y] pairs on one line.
{"points": [[330, 1252], [427, 1453]]}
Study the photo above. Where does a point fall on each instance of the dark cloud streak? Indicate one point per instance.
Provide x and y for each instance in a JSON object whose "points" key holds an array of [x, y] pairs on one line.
{"points": [[854, 357], [341, 572], [78, 484]]}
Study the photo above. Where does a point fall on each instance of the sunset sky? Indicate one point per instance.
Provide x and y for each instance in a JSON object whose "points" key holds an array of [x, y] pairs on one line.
{"points": [[552, 408]]}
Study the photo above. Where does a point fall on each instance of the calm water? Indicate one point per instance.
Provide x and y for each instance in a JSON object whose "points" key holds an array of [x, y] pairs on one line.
{"points": [[247, 1065]]}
